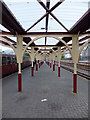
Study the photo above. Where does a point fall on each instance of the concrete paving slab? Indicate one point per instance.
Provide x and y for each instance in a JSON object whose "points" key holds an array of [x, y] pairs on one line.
{"points": [[60, 103]]}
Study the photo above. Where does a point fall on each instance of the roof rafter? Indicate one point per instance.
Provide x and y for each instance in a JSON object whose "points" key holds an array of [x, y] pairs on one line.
{"points": [[81, 26], [49, 12], [47, 18], [56, 5], [10, 22]]}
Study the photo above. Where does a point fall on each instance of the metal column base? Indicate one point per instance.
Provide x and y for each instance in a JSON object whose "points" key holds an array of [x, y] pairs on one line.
{"points": [[32, 72], [53, 67], [74, 83], [50, 65], [58, 71], [19, 82]]}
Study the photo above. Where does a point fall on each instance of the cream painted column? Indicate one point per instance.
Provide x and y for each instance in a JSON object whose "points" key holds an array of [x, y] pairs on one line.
{"points": [[75, 58], [19, 55]]}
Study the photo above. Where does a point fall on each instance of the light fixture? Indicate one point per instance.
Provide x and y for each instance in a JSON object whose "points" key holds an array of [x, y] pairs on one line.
{"points": [[42, 28]]}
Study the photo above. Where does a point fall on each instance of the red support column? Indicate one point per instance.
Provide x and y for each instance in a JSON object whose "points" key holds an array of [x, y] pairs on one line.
{"points": [[19, 82], [32, 71], [36, 67], [75, 83], [53, 67], [39, 65], [50, 65], [58, 71]]}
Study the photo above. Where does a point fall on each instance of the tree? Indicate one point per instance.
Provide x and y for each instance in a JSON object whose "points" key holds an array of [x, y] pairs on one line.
{"points": [[63, 56], [26, 54]]}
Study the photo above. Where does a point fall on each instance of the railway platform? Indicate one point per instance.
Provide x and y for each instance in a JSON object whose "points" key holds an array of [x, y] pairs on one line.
{"points": [[58, 89], [45, 95]]}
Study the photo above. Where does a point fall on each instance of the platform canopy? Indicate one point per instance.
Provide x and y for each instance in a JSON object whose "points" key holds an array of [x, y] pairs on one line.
{"points": [[44, 17]]}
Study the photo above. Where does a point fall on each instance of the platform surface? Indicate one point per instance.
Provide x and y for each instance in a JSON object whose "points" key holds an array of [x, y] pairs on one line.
{"points": [[45, 95]]}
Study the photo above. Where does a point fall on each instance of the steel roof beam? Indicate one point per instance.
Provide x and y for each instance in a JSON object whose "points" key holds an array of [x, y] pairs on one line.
{"points": [[10, 40], [10, 22], [47, 18], [42, 46], [45, 49], [45, 40], [58, 34], [29, 34], [55, 6], [84, 38], [82, 24], [43, 5], [4, 43], [4, 33]]}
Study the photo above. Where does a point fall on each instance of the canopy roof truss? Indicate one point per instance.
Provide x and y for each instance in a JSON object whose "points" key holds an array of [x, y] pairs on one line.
{"points": [[10, 22]]}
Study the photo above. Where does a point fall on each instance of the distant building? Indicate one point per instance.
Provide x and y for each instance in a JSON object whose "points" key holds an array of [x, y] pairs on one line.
{"points": [[67, 54], [84, 56]]}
